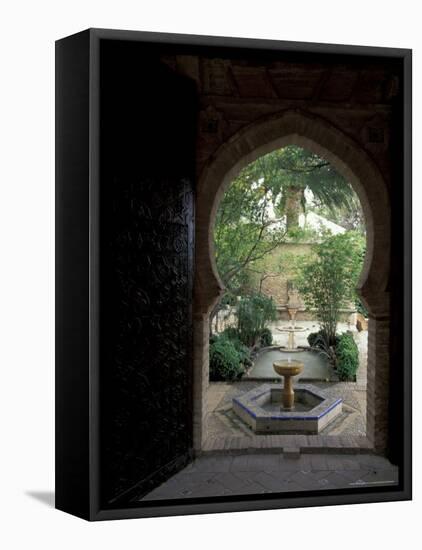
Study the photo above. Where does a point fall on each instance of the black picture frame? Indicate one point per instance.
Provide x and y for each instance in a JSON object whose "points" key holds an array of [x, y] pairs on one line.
{"points": [[79, 391]]}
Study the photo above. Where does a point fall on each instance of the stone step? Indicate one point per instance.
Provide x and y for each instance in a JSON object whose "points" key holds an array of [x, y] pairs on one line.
{"points": [[285, 443]]}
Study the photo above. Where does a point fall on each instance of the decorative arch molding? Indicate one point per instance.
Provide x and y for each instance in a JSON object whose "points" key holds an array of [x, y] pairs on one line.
{"points": [[316, 134]]}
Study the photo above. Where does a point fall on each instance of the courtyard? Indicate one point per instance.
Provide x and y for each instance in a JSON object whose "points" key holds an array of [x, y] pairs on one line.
{"points": [[283, 389], [223, 422], [288, 343], [316, 367], [224, 427], [235, 461]]}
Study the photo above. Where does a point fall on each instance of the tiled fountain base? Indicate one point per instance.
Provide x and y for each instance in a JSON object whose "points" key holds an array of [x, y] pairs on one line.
{"points": [[259, 408], [227, 433]]}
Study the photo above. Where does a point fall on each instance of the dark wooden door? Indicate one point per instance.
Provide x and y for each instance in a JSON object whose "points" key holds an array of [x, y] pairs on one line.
{"points": [[147, 152]]}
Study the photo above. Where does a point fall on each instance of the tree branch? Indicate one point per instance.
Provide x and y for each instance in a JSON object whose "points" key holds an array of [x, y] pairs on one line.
{"points": [[306, 170]]}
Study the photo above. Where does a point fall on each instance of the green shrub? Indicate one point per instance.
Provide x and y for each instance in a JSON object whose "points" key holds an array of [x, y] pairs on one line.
{"points": [[231, 333], [315, 339], [253, 314], [347, 354], [244, 353], [319, 340], [266, 337], [226, 361], [327, 279], [213, 338]]}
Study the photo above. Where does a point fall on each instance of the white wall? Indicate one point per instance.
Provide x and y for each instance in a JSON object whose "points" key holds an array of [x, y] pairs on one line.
{"points": [[27, 36]]}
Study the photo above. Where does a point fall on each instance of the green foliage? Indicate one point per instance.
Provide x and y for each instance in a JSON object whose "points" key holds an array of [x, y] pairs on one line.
{"points": [[358, 302], [244, 231], [213, 338], [266, 338], [360, 308], [232, 334], [243, 351], [262, 206], [350, 217], [327, 281], [228, 299], [227, 358], [299, 170], [347, 354], [316, 340], [253, 313], [344, 354]]}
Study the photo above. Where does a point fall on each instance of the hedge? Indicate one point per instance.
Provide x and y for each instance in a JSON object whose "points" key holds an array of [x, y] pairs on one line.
{"points": [[347, 357]]}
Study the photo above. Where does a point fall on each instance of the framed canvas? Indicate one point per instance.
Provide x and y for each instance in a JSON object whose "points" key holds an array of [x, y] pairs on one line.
{"points": [[233, 276]]}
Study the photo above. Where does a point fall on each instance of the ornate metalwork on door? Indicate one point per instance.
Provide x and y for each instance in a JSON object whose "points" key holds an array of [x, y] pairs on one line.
{"points": [[148, 129], [148, 336]]}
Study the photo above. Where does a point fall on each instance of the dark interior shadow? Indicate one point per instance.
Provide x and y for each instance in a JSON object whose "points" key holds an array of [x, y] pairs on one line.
{"points": [[46, 497]]}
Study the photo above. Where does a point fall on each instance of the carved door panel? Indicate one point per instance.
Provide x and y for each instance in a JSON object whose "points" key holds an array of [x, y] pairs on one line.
{"points": [[147, 139]]}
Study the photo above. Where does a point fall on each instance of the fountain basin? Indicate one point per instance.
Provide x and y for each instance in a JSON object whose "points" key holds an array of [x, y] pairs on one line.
{"points": [[288, 368], [313, 410], [316, 367]]}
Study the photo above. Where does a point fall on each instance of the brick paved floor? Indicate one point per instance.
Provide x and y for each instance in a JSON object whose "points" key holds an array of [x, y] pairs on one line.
{"points": [[262, 473]]}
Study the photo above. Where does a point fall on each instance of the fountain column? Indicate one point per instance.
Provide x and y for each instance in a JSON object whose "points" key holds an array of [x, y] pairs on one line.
{"points": [[288, 369], [292, 306], [288, 393]]}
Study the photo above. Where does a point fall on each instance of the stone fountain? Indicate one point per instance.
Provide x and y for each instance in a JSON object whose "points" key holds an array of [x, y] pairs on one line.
{"points": [[293, 305], [272, 408], [288, 369]]}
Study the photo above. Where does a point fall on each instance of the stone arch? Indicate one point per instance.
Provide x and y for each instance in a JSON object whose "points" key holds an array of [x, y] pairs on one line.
{"points": [[316, 134]]}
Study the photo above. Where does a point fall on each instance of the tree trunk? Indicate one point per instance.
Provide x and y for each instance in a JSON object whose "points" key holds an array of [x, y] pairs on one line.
{"points": [[293, 206]]}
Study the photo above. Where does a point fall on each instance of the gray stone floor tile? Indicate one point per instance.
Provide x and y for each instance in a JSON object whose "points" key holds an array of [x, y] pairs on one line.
{"points": [[290, 465], [239, 463], [233, 482], [381, 475], [338, 479], [270, 482], [319, 462], [260, 473], [214, 464], [306, 481]]}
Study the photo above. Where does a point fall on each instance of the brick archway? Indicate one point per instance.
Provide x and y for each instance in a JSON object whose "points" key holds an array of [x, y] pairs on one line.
{"points": [[349, 159]]}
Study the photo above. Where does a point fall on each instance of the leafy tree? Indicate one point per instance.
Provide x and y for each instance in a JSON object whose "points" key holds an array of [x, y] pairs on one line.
{"points": [[263, 204], [261, 209], [351, 217], [327, 281], [246, 229], [253, 313], [293, 171]]}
